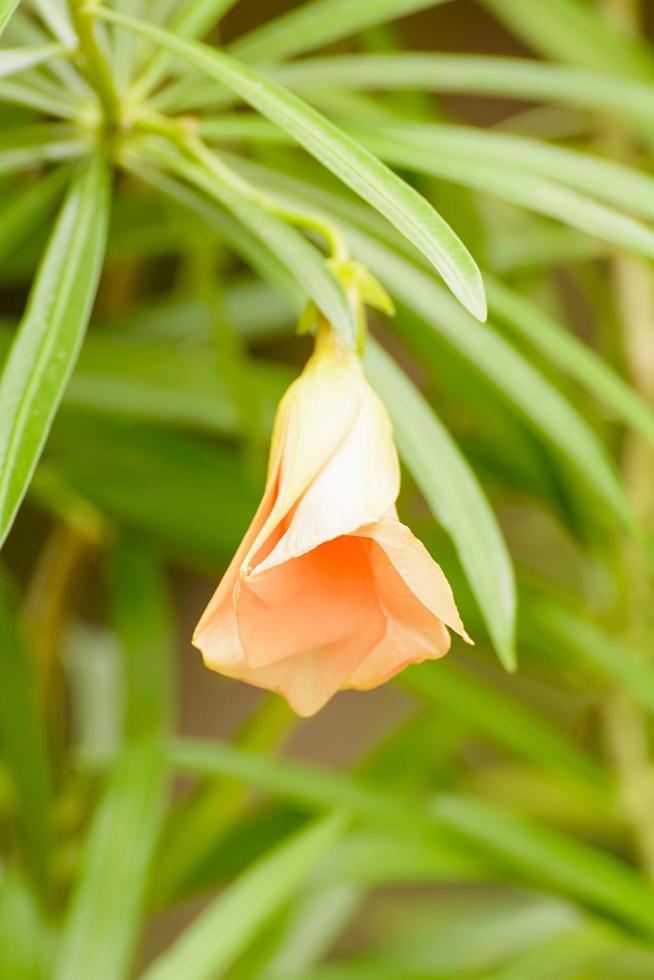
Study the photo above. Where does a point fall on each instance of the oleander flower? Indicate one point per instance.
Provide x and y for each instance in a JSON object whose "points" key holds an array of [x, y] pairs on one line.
{"points": [[328, 589]]}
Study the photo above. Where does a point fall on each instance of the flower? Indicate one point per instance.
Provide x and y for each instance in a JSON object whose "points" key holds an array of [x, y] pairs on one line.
{"points": [[328, 589]]}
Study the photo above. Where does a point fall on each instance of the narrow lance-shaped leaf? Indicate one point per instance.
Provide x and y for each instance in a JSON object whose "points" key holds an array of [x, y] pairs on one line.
{"points": [[23, 742], [571, 355], [624, 187], [352, 163], [253, 252], [576, 31], [504, 720], [492, 76], [549, 622], [537, 853], [22, 147], [192, 18], [55, 15], [23, 934], [51, 102], [29, 209], [225, 928], [104, 919], [144, 623], [18, 59], [7, 8], [312, 25], [528, 190], [539, 402], [50, 334], [453, 494]]}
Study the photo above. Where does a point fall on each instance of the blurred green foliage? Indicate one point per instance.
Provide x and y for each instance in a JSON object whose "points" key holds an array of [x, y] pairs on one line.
{"points": [[172, 176]]}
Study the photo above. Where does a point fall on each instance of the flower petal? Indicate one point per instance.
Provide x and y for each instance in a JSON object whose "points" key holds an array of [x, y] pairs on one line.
{"points": [[356, 486], [417, 568], [413, 632], [307, 603], [314, 418]]}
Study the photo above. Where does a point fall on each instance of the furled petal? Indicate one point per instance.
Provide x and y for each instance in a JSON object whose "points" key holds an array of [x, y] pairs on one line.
{"points": [[413, 632], [314, 418], [417, 568], [208, 628], [356, 486]]}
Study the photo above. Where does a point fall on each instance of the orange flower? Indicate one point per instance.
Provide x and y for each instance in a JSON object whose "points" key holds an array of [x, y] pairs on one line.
{"points": [[328, 589]]}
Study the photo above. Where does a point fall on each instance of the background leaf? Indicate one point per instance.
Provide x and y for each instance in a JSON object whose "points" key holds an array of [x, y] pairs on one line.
{"points": [[50, 334]]}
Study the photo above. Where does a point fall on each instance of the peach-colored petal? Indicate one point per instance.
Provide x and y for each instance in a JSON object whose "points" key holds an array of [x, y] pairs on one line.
{"points": [[418, 569], [307, 680], [413, 632], [308, 603], [359, 484], [314, 418], [223, 593]]}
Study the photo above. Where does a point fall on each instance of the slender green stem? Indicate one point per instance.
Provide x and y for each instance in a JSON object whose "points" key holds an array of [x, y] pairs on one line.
{"points": [[180, 132], [98, 69]]}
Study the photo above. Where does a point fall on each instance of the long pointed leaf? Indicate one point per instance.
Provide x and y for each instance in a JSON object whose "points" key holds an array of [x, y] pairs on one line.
{"points": [[212, 943], [23, 739], [352, 163], [50, 334], [313, 24], [452, 492]]}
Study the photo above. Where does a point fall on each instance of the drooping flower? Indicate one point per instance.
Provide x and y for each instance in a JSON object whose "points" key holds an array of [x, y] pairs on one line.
{"points": [[328, 590]]}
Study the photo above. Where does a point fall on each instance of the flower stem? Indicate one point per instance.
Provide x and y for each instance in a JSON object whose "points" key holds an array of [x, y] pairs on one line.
{"points": [[98, 69], [178, 132]]}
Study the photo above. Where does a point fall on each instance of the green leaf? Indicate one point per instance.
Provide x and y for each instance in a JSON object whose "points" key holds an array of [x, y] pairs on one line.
{"points": [[575, 31], [239, 238], [144, 625], [102, 925], [29, 210], [503, 719], [13, 60], [138, 475], [303, 262], [7, 8], [55, 15], [569, 354], [22, 147], [353, 164], [527, 849], [104, 919], [557, 861], [491, 76], [453, 494], [313, 24], [551, 623], [50, 335], [191, 18], [23, 740], [152, 381], [529, 190], [315, 923], [539, 402], [51, 102], [226, 927], [622, 186], [23, 945]]}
